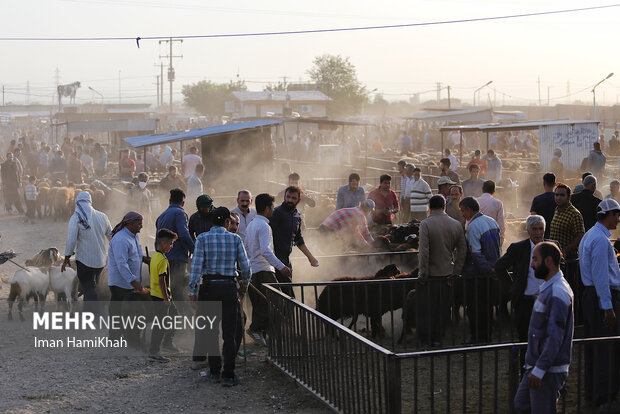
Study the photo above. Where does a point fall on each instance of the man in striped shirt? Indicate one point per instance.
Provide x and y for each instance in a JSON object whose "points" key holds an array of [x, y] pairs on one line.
{"points": [[419, 194], [88, 234], [217, 254], [350, 224]]}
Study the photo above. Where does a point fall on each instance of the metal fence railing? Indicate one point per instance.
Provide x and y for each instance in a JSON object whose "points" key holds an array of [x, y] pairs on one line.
{"points": [[343, 369], [351, 373]]}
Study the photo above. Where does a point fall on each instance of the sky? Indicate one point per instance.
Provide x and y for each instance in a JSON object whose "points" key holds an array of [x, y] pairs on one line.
{"points": [[568, 52]]}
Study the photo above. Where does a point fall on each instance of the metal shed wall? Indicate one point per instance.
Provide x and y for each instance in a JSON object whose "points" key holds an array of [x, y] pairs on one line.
{"points": [[575, 141]]}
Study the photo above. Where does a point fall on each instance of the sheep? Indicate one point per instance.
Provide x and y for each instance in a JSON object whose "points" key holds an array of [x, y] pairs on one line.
{"points": [[63, 202], [64, 285], [349, 300], [26, 283]]}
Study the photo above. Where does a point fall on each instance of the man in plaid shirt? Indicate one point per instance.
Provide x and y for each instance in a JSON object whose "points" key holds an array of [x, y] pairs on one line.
{"points": [[217, 254], [350, 223]]}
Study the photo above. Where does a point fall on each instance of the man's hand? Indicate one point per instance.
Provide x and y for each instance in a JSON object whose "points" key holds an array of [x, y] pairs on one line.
{"points": [[286, 271], [66, 263], [534, 382], [146, 259], [192, 302], [137, 285], [313, 261], [610, 318], [242, 290]]}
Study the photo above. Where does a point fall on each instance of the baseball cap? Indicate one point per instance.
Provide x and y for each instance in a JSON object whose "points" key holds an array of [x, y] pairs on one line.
{"points": [[445, 180], [368, 204], [220, 213], [609, 204]]}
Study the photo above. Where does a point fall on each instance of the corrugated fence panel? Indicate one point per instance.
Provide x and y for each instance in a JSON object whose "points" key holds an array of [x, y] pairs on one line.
{"points": [[575, 141]]}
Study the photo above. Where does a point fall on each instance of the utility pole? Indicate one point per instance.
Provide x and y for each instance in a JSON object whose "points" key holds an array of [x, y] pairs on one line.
{"points": [[161, 84], [494, 97], [449, 100], [157, 90], [539, 103], [438, 91], [171, 74], [548, 89], [283, 80]]}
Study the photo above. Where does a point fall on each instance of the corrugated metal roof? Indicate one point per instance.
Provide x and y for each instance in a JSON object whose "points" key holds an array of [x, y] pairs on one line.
{"points": [[513, 126], [130, 110], [295, 96], [163, 138], [447, 114]]}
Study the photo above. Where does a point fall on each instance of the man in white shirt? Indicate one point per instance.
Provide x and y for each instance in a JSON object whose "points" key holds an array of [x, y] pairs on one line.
{"points": [[190, 161], [419, 194], [194, 187], [454, 164], [88, 234], [492, 207], [246, 213], [263, 262]]}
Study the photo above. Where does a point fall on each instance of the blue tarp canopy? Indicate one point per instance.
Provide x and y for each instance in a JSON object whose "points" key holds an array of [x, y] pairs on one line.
{"points": [[173, 136]]}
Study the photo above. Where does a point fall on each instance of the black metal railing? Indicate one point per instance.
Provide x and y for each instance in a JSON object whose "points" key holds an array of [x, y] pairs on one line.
{"points": [[351, 373], [343, 369]]}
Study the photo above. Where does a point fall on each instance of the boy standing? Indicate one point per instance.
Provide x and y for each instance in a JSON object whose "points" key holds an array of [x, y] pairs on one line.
{"points": [[160, 290], [30, 194]]}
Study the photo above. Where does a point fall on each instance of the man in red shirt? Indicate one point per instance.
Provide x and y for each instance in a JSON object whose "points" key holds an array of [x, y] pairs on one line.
{"points": [[386, 201]]}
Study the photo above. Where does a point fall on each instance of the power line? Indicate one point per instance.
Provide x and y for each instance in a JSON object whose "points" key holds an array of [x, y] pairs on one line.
{"points": [[297, 32]]}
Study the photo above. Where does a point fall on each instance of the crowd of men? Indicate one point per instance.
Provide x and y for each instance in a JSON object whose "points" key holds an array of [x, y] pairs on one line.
{"points": [[567, 262]]}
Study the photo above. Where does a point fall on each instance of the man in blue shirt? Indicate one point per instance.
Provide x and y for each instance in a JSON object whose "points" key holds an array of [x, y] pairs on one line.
{"points": [[550, 335], [350, 195], [174, 219], [216, 256], [125, 260], [601, 304], [483, 251]]}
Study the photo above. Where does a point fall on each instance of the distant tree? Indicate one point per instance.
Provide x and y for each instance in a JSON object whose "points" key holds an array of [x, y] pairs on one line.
{"points": [[337, 78], [275, 87], [208, 98]]}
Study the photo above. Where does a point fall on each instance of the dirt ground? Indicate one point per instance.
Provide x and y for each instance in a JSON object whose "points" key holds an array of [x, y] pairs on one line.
{"points": [[65, 381]]}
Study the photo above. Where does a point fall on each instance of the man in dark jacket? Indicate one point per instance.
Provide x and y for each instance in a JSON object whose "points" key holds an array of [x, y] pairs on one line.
{"points": [[174, 219], [524, 288], [286, 227], [586, 202], [201, 221], [10, 184], [544, 204]]}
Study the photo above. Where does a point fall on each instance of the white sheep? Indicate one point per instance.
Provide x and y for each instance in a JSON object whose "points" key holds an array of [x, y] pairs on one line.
{"points": [[63, 283], [26, 283]]}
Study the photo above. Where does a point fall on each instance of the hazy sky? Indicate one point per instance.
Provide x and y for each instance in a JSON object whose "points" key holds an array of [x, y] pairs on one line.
{"points": [[567, 51]]}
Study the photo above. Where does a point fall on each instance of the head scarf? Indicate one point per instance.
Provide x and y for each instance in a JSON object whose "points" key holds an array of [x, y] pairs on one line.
{"points": [[127, 218], [83, 209]]}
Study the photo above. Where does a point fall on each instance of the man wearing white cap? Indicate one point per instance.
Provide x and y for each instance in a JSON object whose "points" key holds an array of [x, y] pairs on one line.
{"points": [[600, 275]]}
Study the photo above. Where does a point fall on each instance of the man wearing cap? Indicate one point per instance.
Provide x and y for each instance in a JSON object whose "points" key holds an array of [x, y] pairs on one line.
{"points": [[443, 186], [419, 194], [601, 307], [174, 219], [350, 224], [217, 256], [125, 260], [201, 221], [87, 237]]}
